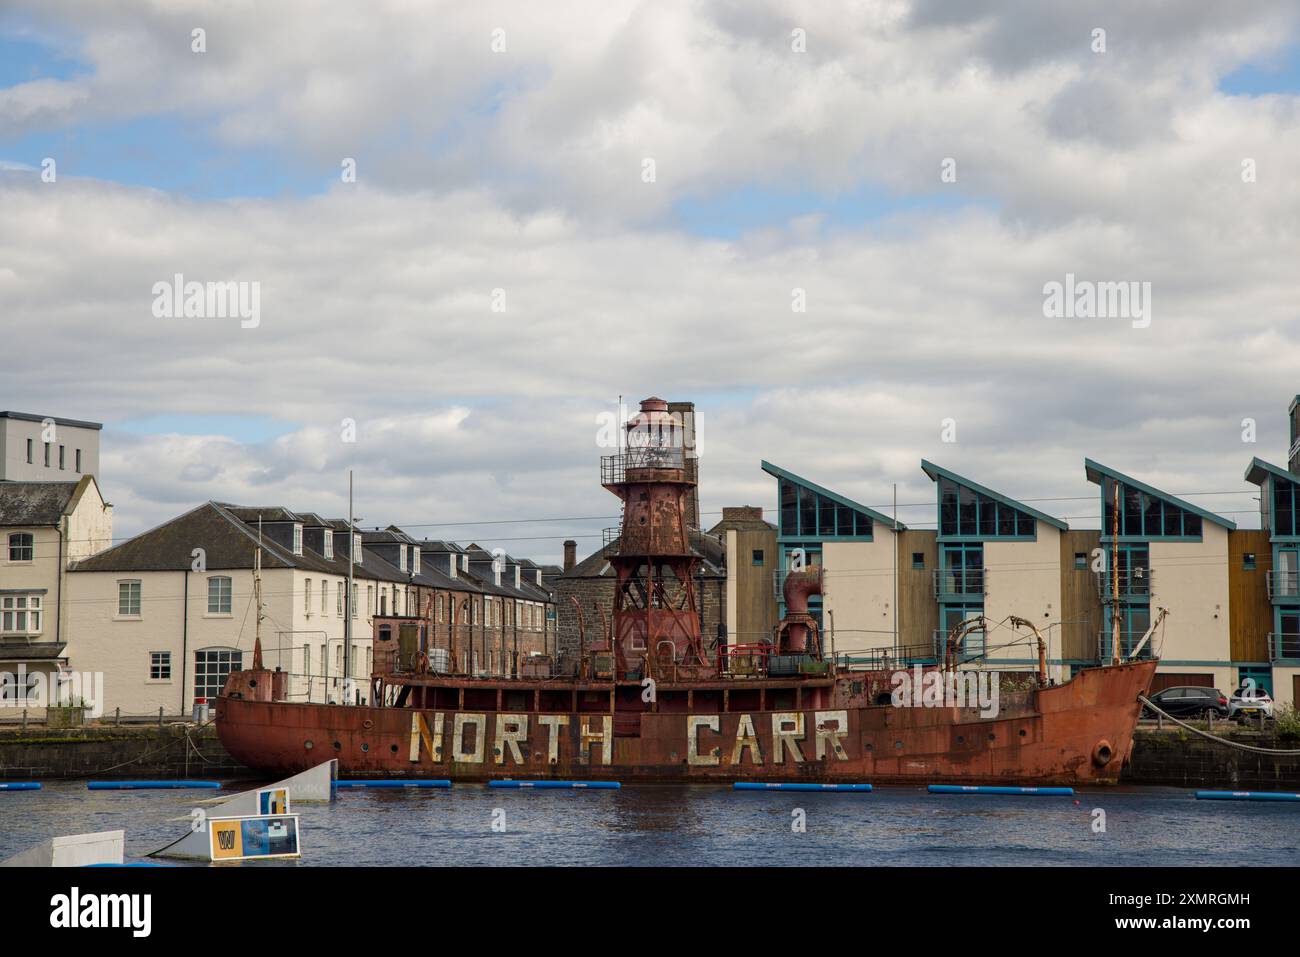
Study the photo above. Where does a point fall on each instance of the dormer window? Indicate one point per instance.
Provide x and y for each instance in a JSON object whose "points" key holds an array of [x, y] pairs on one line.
{"points": [[401, 557], [329, 544], [415, 560], [297, 539], [356, 549]]}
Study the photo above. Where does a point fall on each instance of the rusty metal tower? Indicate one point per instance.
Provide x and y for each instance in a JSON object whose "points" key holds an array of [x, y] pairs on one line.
{"points": [[656, 628]]}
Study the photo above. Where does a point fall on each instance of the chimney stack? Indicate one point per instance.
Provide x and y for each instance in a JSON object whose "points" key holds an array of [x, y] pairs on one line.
{"points": [[570, 554]]}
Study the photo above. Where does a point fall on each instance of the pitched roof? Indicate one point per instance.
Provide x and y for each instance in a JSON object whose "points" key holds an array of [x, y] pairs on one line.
{"points": [[1096, 472], [35, 503], [936, 472], [227, 542], [267, 513], [875, 516], [1258, 469]]}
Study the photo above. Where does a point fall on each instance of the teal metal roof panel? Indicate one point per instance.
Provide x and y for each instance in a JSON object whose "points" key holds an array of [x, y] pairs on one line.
{"points": [[1258, 469]]}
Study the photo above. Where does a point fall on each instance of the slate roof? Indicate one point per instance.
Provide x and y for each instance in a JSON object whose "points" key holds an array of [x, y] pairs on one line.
{"points": [[227, 542], [40, 503], [34, 503]]}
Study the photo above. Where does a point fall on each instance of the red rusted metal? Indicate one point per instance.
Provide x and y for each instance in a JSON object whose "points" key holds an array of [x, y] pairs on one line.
{"points": [[798, 588], [654, 566], [1079, 732]]}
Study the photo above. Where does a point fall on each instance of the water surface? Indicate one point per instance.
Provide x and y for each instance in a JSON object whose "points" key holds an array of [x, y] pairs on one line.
{"points": [[691, 825]]}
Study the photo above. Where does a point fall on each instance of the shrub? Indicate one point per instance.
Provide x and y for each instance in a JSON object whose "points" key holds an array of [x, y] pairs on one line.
{"points": [[1287, 721]]}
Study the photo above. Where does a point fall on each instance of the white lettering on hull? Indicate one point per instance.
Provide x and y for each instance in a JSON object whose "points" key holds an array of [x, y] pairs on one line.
{"points": [[789, 730], [458, 752], [693, 725]]}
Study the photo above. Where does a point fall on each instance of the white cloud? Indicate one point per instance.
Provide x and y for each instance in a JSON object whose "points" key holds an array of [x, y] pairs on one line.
{"points": [[520, 171]]}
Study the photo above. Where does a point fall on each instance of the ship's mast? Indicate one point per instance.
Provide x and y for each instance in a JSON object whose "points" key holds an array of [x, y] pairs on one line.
{"points": [[347, 619], [1116, 614], [257, 597]]}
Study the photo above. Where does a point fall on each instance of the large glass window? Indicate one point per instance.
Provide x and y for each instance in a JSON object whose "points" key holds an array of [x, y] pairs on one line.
{"points": [[1143, 515], [962, 571], [806, 513], [211, 668], [973, 645], [1283, 507], [966, 512]]}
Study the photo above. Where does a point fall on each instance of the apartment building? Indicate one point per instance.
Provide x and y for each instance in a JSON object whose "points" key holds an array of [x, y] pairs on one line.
{"points": [[997, 558], [1231, 594]]}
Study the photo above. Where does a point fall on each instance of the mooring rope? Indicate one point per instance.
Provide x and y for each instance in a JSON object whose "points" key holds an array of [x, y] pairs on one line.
{"points": [[1213, 737]]}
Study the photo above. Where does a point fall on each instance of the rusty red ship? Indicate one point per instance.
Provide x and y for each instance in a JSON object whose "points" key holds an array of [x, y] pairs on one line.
{"points": [[647, 701]]}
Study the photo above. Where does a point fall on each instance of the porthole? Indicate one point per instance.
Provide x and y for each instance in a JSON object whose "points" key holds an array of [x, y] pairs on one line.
{"points": [[364, 747], [393, 748], [1022, 732], [337, 746], [308, 745]]}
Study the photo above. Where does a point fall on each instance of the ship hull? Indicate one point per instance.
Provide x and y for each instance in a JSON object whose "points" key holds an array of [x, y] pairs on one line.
{"points": [[1079, 732]]}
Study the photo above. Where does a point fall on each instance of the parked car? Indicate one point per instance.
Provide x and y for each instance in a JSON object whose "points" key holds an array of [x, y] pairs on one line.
{"points": [[1246, 701], [1190, 702]]}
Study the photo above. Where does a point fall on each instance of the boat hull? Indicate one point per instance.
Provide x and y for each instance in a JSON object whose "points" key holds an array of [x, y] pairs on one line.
{"points": [[1079, 732]]}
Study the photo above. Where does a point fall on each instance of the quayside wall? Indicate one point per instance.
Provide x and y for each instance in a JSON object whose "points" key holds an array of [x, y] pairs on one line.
{"points": [[171, 751], [1181, 759]]}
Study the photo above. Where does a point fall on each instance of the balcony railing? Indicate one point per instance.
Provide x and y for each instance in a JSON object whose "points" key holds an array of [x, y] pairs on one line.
{"points": [[1284, 646], [959, 581], [1283, 584], [1127, 641], [609, 540], [1133, 583], [614, 468]]}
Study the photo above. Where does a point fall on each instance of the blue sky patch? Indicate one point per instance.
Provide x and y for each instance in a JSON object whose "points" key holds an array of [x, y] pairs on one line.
{"points": [[248, 429], [1278, 74], [731, 213]]}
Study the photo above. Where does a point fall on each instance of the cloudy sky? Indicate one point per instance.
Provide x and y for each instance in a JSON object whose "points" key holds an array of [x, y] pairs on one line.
{"points": [[828, 224]]}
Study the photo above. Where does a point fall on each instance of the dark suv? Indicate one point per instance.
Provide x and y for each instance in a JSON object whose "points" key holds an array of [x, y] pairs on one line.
{"points": [[1190, 702]]}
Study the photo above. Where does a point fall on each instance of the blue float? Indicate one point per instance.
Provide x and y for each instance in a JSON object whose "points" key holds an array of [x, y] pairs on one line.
{"points": [[556, 785], [148, 785], [797, 786], [398, 783], [991, 789], [1247, 796], [20, 785]]}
